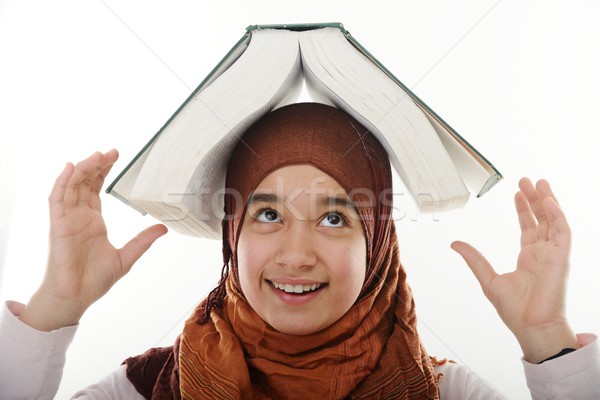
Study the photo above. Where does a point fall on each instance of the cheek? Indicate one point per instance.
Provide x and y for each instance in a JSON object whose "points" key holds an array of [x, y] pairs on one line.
{"points": [[359, 264], [357, 276], [251, 257], [350, 268]]}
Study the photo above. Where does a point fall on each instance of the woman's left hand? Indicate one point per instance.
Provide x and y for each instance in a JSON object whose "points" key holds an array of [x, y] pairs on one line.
{"points": [[531, 300]]}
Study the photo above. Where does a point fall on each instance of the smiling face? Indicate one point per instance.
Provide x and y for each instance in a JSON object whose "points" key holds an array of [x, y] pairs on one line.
{"points": [[301, 250]]}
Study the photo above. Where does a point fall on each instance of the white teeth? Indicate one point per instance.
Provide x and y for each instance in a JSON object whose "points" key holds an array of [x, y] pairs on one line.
{"points": [[286, 287]]}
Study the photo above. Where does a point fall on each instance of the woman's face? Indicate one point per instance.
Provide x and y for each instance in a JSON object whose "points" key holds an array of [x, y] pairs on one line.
{"points": [[301, 251]]}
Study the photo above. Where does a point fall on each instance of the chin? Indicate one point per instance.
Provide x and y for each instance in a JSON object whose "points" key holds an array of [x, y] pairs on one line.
{"points": [[296, 328]]}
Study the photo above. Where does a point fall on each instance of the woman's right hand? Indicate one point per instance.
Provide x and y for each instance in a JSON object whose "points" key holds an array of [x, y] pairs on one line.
{"points": [[82, 264]]}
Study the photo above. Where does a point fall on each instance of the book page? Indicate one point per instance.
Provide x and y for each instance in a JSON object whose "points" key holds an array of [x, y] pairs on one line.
{"points": [[186, 166], [336, 71], [475, 172]]}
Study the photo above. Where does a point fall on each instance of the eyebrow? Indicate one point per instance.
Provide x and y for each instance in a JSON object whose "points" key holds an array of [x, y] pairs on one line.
{"points": [[338, 201], [263, 198], [323, 201]]}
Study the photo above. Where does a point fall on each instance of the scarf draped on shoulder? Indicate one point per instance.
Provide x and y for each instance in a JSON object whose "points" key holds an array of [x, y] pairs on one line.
{"points": [[226, 351]]}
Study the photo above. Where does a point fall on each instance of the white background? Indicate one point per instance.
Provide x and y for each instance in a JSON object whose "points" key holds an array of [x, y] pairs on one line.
{"points": [[518, 79]]}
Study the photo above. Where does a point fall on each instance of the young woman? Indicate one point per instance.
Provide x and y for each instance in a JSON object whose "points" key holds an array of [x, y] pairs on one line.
{"points": [[313, 300]]}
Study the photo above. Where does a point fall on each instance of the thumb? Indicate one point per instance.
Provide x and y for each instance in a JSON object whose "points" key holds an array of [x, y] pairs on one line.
{"points": [[478, 264], [137, 246]]}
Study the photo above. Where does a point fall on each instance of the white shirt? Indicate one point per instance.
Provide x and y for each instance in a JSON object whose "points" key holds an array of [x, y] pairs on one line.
{"points": [[31, 365]]}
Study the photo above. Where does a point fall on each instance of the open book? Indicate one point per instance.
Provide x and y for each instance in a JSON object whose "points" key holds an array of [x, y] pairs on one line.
{"points": [[178, 177]]}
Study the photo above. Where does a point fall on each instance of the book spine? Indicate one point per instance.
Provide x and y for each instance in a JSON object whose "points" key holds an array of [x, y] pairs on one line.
{"points": [[298, 27]]}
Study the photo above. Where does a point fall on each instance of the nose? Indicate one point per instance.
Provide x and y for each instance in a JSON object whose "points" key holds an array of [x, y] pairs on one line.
{"points": [[296, 247]]}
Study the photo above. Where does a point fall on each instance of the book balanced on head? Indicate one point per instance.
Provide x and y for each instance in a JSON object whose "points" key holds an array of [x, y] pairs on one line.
{"points": [[178, 177]]}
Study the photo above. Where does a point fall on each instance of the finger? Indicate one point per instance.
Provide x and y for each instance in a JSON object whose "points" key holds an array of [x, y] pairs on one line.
{"points": [[110, 158], [93, 199], [527, 221], [544, 191], [137, 246], [57, 193], [535, 199], [559, 231], [480, 267], [78, 186]]}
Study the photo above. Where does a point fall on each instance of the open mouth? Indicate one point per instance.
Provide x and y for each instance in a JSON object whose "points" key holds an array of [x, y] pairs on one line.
{"points": [[297, 289]]}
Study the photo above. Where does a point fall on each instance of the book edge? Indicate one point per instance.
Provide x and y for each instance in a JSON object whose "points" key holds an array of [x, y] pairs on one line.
{"points": [[423, 105], [110, 188]]}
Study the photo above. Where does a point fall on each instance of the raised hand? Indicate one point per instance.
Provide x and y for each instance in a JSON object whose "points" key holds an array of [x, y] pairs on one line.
{"points": [[82, 264], [531, 300]]}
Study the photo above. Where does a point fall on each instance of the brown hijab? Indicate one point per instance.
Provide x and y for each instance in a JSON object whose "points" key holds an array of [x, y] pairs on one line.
{"points": [[226, 351]]}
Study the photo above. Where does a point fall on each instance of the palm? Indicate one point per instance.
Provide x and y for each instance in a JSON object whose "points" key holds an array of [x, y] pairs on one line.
{"points": [[527, 297], [82, 260]]}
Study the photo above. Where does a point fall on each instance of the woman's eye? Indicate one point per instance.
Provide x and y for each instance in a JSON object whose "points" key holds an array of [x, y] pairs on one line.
{"points": [[332, 220], [267, 216]]}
